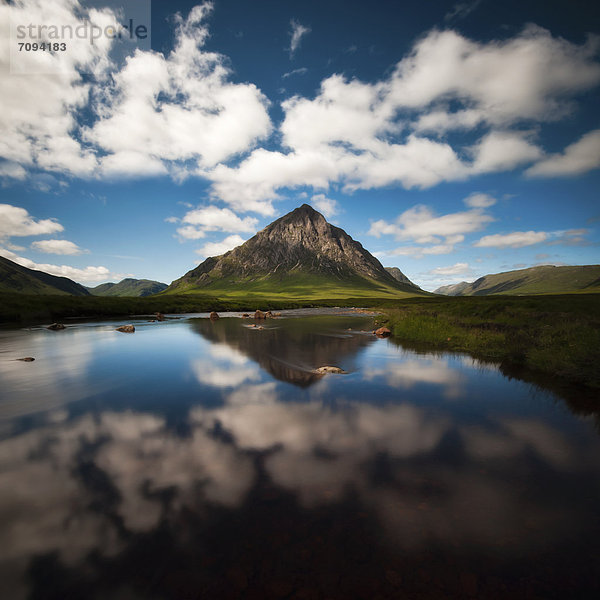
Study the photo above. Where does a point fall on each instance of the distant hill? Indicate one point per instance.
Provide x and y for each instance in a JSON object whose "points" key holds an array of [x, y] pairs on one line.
{"points": [[299, 255], [546, 279], [398, 275], [129, 287], [17, 279], [456, 289]]}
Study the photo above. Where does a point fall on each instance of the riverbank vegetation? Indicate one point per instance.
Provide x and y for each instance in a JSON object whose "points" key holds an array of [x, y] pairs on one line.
{"points": [[555, 335]]}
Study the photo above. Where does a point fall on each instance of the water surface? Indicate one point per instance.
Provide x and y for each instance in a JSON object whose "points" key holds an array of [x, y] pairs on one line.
{"points": [[201, 459]]}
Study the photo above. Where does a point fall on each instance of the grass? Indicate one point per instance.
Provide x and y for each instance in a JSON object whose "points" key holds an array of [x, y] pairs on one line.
{"points": [[21, 308], [297, 287], [556, 335]]}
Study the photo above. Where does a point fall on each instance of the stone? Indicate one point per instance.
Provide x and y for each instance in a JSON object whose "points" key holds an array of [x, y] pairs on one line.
{"points": [[382, 332], [329, 369], [159, 316], [214, 316], [268, 315], [56, 327], [245, 316], [126, 329], [27, 359], [259, 314]]}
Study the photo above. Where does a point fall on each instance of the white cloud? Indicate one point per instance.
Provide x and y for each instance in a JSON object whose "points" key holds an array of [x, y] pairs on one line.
{"points": [[12, 170], [528, 76], [16, 221], [163, 112], [455, 269], [300, 71], [211, 218], [580, 157], [85, 275], [503, 151], [479, 200], [296, 35], [57, 247], [517, 239], [218, 248], [38, 122], [325, 205], [421, 225]]}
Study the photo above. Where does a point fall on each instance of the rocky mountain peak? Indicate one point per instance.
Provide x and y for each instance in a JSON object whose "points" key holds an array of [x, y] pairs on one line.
{"points": [[301, 241]]}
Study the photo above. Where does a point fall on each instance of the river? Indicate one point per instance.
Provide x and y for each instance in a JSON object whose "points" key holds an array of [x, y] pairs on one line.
{"points": [[208, 459]]}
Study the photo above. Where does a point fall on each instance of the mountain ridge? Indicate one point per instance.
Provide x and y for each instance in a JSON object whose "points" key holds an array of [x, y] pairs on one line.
{"points": [[15, 278], [543, 279], [130, 287]]}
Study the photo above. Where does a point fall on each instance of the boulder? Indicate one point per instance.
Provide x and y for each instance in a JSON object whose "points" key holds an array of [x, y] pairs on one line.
{"points": [[214, 316], [382, 332], [329, 369], [126, 329], [245, 316], [27, 359], [159, 316], [259, 314], [268, 315], [56, 327]]}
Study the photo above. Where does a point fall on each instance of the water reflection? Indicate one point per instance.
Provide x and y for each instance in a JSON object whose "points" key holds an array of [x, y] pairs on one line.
{"points": [[291, 349], [412, 476]]}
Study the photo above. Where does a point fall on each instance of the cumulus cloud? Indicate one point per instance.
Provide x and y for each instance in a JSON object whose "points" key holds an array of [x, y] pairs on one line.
{"points": [[57, 247], [181, 114], [327, 206], [368, 135], [85, 275], [16, 221], [199, 221], [297, 33], [580, 157], [218, 248], [516, 239], [164, 110], [422, 226], [455, 269], [479, 200]]}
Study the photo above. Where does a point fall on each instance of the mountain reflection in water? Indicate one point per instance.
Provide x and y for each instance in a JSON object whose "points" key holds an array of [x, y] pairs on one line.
{"points": [[413, 475]]}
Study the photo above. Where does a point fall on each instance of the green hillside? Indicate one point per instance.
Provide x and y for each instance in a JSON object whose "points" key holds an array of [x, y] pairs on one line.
{"points": [[138, 288], [546, 279], [293, 286], [17, 279]]}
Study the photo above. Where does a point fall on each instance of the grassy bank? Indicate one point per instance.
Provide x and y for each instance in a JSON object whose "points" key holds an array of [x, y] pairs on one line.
{"points": [[21, 308], [556, 335]]}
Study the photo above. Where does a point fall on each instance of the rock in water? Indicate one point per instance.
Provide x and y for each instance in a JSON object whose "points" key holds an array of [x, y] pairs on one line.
{"points": [[382, 332], [56, 327], [126, 329], [259, 314], [329, 369], [159, 316], [27, 359], [214, 316]]}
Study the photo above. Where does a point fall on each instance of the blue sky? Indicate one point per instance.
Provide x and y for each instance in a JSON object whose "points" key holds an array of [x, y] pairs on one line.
{"points": [[452, 139]]}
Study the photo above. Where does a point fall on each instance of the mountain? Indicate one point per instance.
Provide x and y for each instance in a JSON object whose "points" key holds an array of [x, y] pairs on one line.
{"points": [[546, 279], [299, 255], [398, 275], [17, 279], [129, 287], [456, 289]]}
